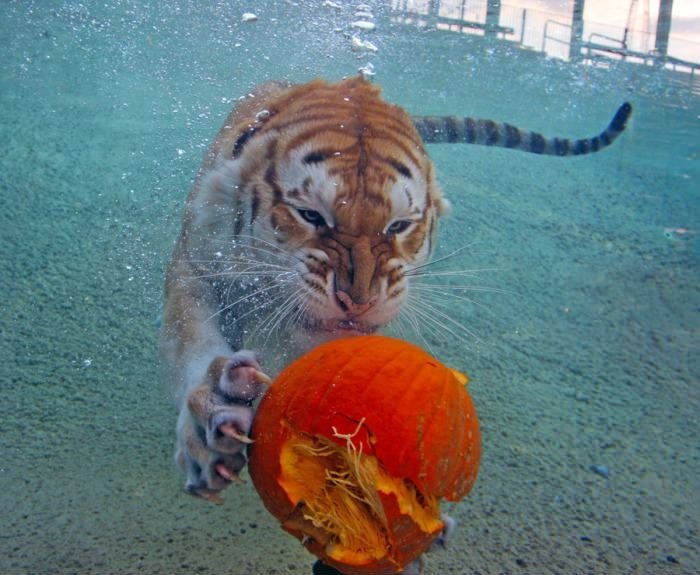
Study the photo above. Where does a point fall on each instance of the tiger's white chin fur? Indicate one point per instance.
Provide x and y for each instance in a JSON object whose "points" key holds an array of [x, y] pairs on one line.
{"points": [[347, 328], [308, 337], [332, 328]]}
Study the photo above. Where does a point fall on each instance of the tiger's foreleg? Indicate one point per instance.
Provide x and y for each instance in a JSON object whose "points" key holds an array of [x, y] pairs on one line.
{"points": [[214, 386]]}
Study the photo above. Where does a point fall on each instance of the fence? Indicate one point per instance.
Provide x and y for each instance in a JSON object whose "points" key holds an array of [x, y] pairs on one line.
{"points": [[548, 33]]}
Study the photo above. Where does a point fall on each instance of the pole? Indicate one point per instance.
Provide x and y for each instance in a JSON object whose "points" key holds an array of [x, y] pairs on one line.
{"points": [[576, 31], [493, 16], [663, 28]]}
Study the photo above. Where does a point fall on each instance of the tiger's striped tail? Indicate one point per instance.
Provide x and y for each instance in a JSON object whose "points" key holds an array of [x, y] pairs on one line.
{"points": [[453, 130]]}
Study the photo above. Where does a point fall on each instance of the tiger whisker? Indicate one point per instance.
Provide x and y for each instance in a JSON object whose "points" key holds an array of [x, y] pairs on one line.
{"points": [[275, 251], [242, 299], [446, 299], [285, 311], [404, 317], [279, 278], [448, 287], [300, 313], [414, 319], [274, 274], [459, 273], [254, 309], [281, 311], [421, 325], [397, 327], [240, 260], [240, 265], [438, 260], [431, 325], [278, 314], [430, 312]]}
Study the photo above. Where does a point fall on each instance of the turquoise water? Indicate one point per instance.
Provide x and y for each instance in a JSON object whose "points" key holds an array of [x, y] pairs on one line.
{"points": [[586, 354]]}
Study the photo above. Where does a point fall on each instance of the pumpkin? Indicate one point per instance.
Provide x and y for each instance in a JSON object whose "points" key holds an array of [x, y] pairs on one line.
{"points": [[355, 445]]}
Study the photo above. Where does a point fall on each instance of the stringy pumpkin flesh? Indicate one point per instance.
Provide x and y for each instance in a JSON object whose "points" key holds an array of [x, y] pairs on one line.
{"points": [[337, 493]]}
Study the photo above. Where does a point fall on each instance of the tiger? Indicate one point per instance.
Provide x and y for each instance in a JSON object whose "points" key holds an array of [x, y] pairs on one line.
{"points": [[310, 210]]}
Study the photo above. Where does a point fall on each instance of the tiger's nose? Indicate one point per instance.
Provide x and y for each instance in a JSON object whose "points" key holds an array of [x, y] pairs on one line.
{"points": [[352, 308]]}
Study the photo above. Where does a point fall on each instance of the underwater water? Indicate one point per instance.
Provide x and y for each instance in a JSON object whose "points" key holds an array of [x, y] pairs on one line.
{"points": [[584, 364]]}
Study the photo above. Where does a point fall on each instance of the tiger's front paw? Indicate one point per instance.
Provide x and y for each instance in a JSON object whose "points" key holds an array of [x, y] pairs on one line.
{"points": [[214, 424]]}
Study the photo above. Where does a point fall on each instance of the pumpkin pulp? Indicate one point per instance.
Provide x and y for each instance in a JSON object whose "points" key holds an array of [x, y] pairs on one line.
{"points": [[347, 504]]}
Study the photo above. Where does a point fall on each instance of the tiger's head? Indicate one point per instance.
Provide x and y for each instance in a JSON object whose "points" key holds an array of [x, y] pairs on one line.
{"points": [[340, 180]]}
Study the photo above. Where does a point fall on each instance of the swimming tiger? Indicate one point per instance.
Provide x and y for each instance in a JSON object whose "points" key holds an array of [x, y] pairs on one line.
{"points": [[311, 208]]}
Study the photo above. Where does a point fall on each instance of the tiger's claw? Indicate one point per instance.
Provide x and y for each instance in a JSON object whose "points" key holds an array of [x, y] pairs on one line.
{"points": [[230, 430], [210, 495], [262, 378], [227, 474]]}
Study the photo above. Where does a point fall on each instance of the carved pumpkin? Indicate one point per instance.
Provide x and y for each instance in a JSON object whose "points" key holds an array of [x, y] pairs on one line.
{"points": [[356, 443]]}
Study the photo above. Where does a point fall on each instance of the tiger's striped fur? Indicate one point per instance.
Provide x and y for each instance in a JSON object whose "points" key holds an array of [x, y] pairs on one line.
{"points": [[311, 208]]}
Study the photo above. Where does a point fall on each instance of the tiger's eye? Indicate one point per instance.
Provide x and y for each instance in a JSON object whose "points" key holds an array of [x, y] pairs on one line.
{"points": [[313, 217], [398, 226]]}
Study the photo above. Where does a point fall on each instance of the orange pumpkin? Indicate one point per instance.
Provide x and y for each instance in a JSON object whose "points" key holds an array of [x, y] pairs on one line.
{"points": [[356, 443]]}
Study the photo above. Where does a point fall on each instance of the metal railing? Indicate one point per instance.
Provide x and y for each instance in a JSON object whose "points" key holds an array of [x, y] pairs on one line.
{"points": [[547, 35]]}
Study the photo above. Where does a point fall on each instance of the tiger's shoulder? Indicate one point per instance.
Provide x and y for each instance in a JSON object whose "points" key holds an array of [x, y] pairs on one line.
{"points": [[279, 105]]}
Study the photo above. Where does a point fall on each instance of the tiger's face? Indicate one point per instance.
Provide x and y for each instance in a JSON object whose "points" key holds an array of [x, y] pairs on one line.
{"points": [[341, 182]]}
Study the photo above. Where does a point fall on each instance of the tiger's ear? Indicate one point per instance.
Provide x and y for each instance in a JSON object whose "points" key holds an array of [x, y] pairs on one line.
{"points": [[442, 206]]}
